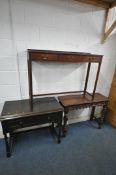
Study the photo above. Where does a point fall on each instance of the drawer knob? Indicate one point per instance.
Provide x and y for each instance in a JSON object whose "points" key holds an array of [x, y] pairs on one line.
{"points": [[45, 58]]}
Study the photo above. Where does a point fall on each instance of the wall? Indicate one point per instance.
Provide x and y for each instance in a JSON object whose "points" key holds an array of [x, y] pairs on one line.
{"points": [[51, 24]]}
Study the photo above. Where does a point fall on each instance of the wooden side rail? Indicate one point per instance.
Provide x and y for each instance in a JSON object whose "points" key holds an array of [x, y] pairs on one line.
{"points": [[41, 55]]}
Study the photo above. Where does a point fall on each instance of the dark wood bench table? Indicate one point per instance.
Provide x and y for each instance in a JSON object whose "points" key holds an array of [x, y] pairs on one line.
{"points": [[19, 115], [81, 101]]}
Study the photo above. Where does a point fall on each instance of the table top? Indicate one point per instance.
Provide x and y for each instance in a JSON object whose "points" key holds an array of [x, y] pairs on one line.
{"points": [[71, 100], [61, 52], [22, 108]]}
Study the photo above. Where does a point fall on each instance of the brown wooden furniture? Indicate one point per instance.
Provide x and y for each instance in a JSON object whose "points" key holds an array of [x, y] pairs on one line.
{"points": [[72, 102], [112, 103], [60, 56], [85, 99], [18, 116]]}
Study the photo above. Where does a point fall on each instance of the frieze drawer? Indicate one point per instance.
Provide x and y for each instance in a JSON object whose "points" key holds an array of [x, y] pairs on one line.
{"points": [[44, 57], [13, 124]]}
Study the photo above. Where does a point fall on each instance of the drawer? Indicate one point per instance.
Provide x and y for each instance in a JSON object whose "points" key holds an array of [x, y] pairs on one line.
{"points": [[52, 56], [73, 58], [95, 59], [44, 57], [13, 124]]}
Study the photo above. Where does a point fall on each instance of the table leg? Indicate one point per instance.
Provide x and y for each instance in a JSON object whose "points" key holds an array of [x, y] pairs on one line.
{"points": [[103, 115], [52, 125], [7, 143], [92, 113], [64, 129], [59, 132], [56, 132]]}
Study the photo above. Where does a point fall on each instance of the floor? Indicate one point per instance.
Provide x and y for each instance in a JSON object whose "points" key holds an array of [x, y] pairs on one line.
{"points": [[85, 151]]}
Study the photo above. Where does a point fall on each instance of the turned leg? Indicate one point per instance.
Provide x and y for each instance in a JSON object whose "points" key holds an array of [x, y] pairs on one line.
{"points": [[52, 125], [56, 133], [7, 143], [65, 122], [59, 132], [103, 115], [92, 113]]}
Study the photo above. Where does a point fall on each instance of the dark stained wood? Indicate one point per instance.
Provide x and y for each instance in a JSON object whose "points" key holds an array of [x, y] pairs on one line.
{"points": [[58, 93], [30, 80], [71, 100], [92, 113], [83, 100], [97, 76], [113, 4], [21, 108], [62, 56], [18, 116], [87, 77]]}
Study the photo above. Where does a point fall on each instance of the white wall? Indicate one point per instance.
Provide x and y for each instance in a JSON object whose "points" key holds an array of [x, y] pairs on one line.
{"points": [[56, 25]]}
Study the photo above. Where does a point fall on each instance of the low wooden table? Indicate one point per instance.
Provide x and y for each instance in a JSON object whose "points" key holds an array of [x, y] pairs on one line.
{"points": [[19, 115], [71, 102]]}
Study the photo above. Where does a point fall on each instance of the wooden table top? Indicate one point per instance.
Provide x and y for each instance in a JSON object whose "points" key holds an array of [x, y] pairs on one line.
{"points": [[21, 108], [71, 100]]}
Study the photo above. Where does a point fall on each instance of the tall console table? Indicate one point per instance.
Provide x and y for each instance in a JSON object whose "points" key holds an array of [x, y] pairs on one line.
{"points": [[73, 99]]}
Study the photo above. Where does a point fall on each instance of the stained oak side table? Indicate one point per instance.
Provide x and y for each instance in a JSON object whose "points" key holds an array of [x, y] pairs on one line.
{"points": [[18, 116], [72, 102]]}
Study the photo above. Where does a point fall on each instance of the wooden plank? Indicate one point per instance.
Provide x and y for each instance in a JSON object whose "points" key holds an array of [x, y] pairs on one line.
{"points": [[97, 3], [87, 78], [107, 17], [109, 31], [113, 4], [59, 56], [105, 24], [112, 118], [112, 103]]}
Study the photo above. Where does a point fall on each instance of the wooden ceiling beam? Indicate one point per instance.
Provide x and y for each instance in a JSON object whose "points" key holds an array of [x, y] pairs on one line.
{"points": [[108, 6], [98, 3], [113, 4], [109, 31]]}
